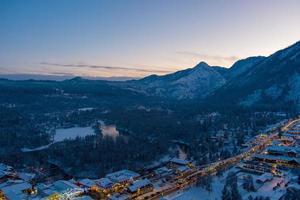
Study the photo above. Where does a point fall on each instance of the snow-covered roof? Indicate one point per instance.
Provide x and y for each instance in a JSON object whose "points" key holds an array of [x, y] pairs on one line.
{"points": [[4, 170], [139, 184], [264, 177], [183, 168], [283, 149], [123, 175], [15, 191], [163, 170], [179, 161], [104, 182], [26, 176], [271, 157], [4, 167], [87, 182], [62, 185]]}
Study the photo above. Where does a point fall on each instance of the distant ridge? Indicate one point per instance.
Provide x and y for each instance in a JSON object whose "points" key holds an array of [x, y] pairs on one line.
{"points": [[44, 77]]}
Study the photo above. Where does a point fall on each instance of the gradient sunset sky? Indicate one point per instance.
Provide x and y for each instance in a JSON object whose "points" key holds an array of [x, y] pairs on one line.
{"points": [[139, 37]]}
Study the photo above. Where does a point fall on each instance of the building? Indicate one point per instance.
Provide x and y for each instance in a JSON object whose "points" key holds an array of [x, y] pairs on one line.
{"points": [[26, 176], [5, 172], [104, 183], [179, 162], [87, 183], [140, 186], [58, 188], [16, 190], [163, 172], [183, 170], [283, 151], [290, 161], [264, 178], [122, 176]]}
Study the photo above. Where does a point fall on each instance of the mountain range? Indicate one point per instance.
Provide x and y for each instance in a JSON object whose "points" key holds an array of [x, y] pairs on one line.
{"points": [[251, 81], [255, 81]]}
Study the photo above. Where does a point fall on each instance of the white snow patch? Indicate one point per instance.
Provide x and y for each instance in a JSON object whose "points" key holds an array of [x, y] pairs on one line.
{"points": [[86, 109], [72, 133], [36, 149]]}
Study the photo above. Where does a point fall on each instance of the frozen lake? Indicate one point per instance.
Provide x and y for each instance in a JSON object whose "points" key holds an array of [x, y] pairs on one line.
{"points": [[72, 133], [62, 134]]}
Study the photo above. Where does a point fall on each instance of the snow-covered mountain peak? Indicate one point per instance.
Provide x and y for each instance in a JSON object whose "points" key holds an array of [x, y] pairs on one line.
{"points": [[201, 65]]}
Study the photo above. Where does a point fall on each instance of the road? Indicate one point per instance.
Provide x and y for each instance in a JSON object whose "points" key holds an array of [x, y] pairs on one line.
{"points": [[214, 167]]}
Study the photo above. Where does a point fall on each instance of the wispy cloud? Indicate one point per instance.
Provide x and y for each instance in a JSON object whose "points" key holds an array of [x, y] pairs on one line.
{"points": [[135, 69], [61, 74], [211, 59]]}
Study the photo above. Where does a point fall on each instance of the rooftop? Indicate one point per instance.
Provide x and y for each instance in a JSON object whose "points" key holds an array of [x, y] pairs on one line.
{"points": [[62, 185], [15, 191], [139, 184], [104, 182], [179, 161], [87, 182], [283, 149], [183, 168], [271, 157], [123, 175]]}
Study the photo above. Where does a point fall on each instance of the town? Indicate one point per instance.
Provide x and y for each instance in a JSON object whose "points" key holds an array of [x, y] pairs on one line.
{"points": [[269, 157]]}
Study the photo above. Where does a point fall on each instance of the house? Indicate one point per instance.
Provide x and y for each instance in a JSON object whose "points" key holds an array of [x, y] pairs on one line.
{"points": [[4, 167], [179, 162], [264, 178], [283, 150], [26, 176], [140, 186], [285, 160], [87, 183], [163, 172], [5, 172], [104, 183], [122, 176], [60, 187], [17, 190], [182, 170]]}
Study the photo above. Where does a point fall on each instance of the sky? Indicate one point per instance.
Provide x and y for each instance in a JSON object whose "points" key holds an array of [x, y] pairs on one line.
{"points": [[136, 38]]}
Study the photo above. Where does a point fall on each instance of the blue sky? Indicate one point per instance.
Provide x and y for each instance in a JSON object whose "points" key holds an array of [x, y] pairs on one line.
{"points": [[139, 37]]}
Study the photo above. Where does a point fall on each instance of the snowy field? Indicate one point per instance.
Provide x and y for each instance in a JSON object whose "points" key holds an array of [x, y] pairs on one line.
{"points": [[72, 133], [265, 189], [196, 193]]}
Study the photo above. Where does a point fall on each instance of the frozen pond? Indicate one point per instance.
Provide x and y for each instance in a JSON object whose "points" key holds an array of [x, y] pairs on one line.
{"points": [[62, 134], [72, 133]]}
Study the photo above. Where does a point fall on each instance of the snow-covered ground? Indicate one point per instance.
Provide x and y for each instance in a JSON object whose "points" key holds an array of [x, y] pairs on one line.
{"points": [[197, 192], [86, 109], [264, 189], [36, 149], [72, 133]]}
